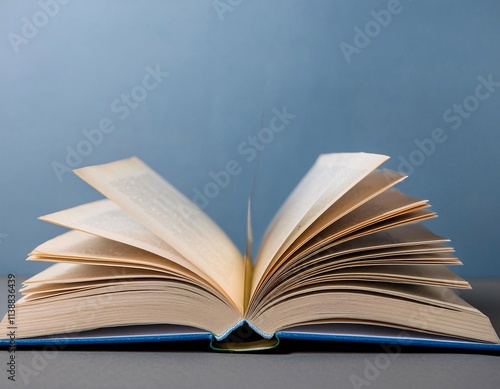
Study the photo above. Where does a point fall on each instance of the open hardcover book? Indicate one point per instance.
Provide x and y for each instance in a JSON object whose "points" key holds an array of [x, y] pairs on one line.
{"points": [[343, 259]]}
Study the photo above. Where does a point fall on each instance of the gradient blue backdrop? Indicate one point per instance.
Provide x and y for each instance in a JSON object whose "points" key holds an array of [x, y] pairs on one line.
{"points": [[223, 67]]}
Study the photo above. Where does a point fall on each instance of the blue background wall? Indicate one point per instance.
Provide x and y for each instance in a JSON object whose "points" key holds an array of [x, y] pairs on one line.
{"points": [[347, 90]]}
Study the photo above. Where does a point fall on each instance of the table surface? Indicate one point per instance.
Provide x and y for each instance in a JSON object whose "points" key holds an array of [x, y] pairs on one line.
{"points": [[296, 364]]}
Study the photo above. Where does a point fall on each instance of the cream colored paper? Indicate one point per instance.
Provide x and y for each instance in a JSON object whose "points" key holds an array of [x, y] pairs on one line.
{"points": [[161, 208], [331, 176]]}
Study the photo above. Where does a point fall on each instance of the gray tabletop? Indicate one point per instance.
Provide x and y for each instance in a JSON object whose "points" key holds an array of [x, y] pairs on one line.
{"points": [[295, 365]]}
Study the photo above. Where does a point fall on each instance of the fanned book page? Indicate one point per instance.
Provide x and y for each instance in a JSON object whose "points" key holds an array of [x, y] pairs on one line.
{"points": [[345, 251], [161, 208]]}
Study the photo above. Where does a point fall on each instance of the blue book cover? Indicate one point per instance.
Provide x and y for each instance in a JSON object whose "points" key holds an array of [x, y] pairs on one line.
{"points": [[388, 338]]}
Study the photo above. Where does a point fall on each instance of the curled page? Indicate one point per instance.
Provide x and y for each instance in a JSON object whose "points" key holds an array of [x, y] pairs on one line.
{"points": [[330, 177], [161, 208]]}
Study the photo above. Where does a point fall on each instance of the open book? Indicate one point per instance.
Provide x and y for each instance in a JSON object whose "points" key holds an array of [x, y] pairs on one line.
{"points": [[343, 258]]}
